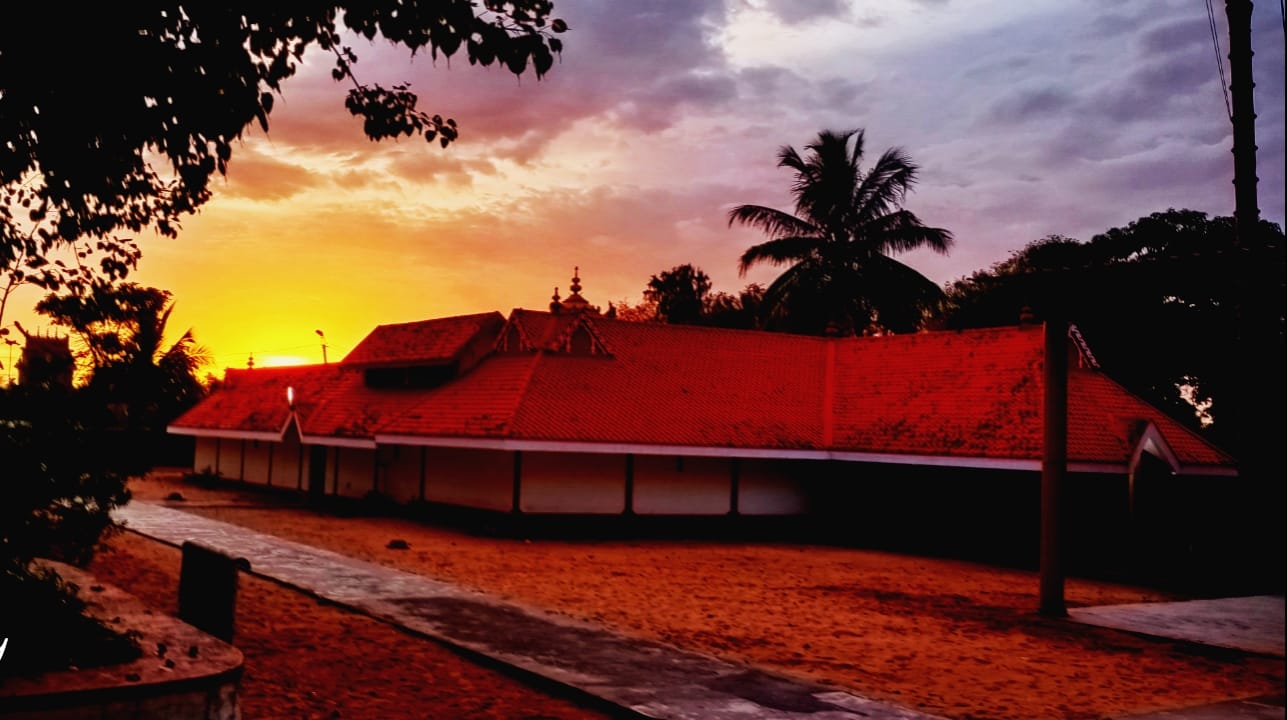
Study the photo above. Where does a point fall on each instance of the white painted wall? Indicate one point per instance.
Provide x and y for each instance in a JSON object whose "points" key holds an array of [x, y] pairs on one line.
{"points": [[286, 464], [356, 471], [257, 458], [473, 478], [229, 458], [573, 483], [668, 485], [204, 455], [771, 487], [399, 472]]}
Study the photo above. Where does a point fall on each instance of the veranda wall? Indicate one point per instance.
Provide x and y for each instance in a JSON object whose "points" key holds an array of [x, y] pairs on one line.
{"points": [[572, 483]]}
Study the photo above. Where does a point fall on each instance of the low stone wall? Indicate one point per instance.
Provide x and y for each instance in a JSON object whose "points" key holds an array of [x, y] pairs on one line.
{"points": [[183, 673]]}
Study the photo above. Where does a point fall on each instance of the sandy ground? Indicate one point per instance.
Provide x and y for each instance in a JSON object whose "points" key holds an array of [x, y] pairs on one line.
{"points": [[950, 638], [305, 660]]}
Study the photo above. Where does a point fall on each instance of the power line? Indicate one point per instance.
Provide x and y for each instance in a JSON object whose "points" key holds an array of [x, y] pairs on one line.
{"points": [[1215, 41]]}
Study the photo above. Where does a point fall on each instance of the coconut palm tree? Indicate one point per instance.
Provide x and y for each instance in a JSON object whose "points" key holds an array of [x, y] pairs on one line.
{"points": [[846, 224], [122, 328]]}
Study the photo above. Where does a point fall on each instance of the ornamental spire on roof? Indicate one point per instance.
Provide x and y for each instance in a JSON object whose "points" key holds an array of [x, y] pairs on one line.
{"points": [[575, 302]]}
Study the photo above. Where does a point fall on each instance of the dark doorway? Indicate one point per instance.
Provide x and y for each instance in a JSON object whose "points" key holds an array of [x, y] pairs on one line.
{"points": [[316, 472]]}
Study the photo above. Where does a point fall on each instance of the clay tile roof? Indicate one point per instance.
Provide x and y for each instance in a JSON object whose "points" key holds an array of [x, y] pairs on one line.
{"points": [[347, 408], [255, 400], [427, 342], [973, 393], [678, 385], [480, 404], [1104, 420], [955, 394]]}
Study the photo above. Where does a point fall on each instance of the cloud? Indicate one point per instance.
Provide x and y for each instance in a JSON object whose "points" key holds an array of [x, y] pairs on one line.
{"points": [[794, 12], [254, 176], [1024, 105]]}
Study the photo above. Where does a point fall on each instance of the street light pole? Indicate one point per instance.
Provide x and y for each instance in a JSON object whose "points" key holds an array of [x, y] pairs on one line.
{"points": [[323, 336]]}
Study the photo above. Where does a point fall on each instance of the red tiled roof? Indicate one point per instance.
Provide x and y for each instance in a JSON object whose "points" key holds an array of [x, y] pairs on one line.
{"points": [[679, 385], [256, 400], [959, 394], [972, 393], [427, 342]]}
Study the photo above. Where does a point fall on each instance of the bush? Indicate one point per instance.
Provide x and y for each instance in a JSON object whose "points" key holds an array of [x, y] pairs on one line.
{"points": [[65, 471], [53, 631]]}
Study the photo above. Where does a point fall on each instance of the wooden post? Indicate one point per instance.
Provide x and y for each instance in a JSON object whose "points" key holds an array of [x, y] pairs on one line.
{"points": [[1054, 461], [208, 589]]}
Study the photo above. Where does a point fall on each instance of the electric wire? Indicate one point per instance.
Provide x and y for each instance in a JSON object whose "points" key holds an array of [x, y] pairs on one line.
{"points": [[1215, 41]]}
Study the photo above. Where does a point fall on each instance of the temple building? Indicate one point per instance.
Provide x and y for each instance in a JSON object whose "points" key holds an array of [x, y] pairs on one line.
{"points": [[567, 411]]}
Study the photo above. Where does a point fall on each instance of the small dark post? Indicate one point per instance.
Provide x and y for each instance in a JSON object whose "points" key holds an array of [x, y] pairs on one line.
{"points": [[1054, 461], [208, 589]]}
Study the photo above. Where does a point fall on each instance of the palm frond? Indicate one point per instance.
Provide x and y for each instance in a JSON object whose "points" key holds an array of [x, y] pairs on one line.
{"points": [[885, 186], [901, 231], [779, 251], [771, 221]]}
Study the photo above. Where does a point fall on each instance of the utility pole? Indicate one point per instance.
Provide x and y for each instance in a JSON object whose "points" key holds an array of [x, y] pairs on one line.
{"points": [[1246, 207], [1260, 396]]}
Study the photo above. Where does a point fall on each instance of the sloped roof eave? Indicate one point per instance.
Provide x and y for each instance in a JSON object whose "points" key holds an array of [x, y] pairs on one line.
{"points": [[337, 441], [226, 433]]}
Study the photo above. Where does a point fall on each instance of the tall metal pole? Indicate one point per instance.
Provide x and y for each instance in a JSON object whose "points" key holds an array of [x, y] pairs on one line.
{"points": [[1054, 462]]}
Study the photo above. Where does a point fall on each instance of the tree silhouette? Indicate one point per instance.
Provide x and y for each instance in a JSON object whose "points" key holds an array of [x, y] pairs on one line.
{"points": [[122, 330], [680, 294], [1154, 300], [113, 119], [178, 85], [847, 222]]}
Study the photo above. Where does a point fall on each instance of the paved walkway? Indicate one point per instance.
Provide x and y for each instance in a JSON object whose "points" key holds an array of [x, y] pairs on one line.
{"points": [[643, 678], [1247, 624], [1251, 624], [648, 679]]}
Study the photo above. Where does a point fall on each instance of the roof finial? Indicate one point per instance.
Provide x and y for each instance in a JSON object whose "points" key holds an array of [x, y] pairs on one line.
{"points": [[555, 305], [250, 362], [574, 302]]}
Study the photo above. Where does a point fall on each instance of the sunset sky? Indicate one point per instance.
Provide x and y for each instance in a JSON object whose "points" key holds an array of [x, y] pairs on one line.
{"points": [[1027, 119]]}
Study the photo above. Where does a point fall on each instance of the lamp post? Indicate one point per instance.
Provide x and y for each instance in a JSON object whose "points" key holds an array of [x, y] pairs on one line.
{"points": [[323, 336]]}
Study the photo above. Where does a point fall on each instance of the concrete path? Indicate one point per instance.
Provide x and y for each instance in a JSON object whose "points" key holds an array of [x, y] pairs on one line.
{"points": [[1247, 624], [1261, 708], [642, 678], [1250, 624]]}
